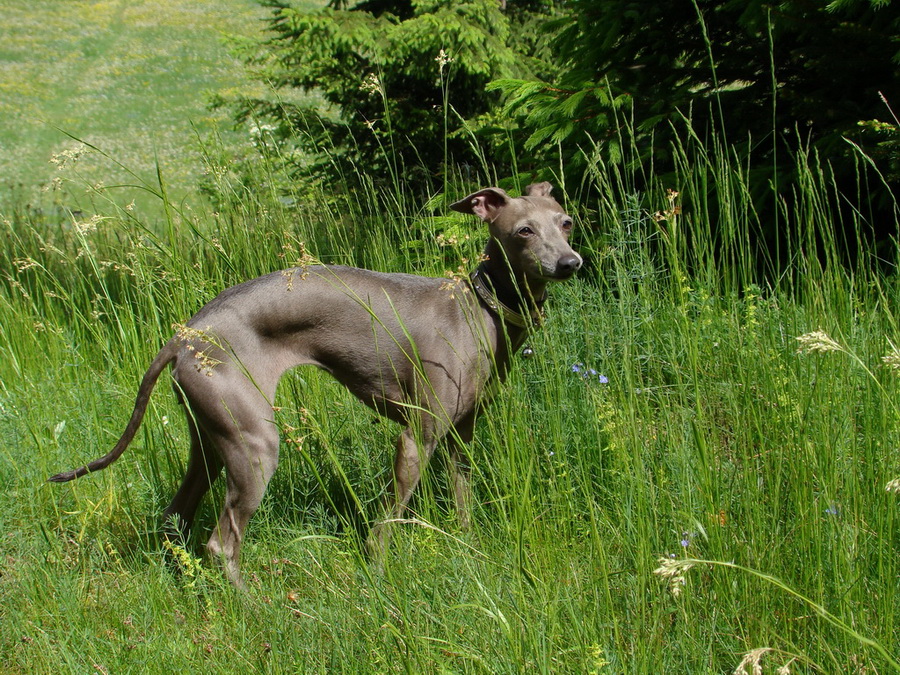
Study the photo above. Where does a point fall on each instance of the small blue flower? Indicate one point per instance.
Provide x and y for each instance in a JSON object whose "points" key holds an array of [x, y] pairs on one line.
{"points": [[686, 539], [832, 510], [589, 373]]}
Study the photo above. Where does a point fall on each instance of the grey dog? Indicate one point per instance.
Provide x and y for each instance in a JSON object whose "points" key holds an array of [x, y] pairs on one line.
{"points": [[421, 351]]}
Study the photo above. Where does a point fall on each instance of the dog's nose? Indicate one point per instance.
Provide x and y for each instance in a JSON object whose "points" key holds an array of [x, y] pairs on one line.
{"points": [[568, 264]]}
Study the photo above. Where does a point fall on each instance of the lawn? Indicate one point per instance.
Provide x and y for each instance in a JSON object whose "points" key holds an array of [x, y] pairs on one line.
{"points": [[132, 78]]}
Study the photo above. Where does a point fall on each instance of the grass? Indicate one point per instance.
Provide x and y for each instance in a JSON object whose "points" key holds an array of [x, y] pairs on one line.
{"points": [[131, 77], [753, 465], [724, 495]]}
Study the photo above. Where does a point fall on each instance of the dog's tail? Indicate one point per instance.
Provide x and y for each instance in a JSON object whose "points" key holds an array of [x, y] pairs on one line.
{"points": [[166, 355]]}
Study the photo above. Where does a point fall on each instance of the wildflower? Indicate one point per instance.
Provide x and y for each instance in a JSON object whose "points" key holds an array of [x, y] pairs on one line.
{"points": [[832, 510], [818, 342], [188, 565], [443, 58], [599, 660], [893, 486], [686, 539], [589, 373], [372, 84], [262, 129]]}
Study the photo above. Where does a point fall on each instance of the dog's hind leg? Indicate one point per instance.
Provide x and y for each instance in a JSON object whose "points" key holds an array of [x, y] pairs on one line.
{"points": [[460, 470], [204, 467], [251, 457]]}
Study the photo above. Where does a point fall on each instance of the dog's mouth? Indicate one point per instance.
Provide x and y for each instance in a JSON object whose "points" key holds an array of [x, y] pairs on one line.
{"points": [[558, 269]]}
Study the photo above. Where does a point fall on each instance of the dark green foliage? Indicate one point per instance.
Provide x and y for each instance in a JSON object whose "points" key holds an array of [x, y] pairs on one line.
{"points": [[410, 88], [761, 77], [399, 80], [717, 62]]}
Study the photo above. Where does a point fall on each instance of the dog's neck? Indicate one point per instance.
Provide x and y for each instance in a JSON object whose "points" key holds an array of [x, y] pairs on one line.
{"points": [[515, 301]]}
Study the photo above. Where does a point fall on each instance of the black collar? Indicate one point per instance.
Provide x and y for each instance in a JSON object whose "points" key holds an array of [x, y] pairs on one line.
{"points": [[486, 289]]}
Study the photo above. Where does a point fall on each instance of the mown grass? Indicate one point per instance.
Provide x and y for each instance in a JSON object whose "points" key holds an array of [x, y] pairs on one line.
{"points": [[133, 77], [715, 492]]}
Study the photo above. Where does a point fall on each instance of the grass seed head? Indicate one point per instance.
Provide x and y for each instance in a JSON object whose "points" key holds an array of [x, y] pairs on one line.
{"points": [[817, 342], [752, 659], [673, 570], [190, 336], [372, 85], [892, 360], [443, 59]]}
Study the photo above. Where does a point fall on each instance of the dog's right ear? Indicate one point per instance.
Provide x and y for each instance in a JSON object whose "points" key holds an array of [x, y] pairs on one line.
{"points": [[485, 203], [539, 189]]}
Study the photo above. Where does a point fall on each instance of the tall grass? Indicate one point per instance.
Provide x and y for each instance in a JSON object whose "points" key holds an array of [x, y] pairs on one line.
{"points": [[673, 483]]}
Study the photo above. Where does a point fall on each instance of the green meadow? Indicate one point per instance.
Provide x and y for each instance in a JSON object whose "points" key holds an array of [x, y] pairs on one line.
{"points": [[132, 78], [697, 471]]}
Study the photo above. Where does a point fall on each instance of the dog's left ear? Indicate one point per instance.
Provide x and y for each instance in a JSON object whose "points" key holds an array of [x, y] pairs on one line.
{"points": [[539, 189], [485, 203]]}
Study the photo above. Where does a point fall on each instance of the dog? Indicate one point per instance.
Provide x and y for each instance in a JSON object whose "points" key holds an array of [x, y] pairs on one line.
{"points": [[421, 351]]}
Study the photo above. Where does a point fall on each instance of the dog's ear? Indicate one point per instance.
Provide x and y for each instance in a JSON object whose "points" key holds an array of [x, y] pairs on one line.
{"points": [[539, 189], [484, 203]]}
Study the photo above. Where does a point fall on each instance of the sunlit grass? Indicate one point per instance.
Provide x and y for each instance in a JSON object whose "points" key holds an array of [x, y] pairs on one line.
{"points": [[134, 78], [743, 430], [695, 472]]}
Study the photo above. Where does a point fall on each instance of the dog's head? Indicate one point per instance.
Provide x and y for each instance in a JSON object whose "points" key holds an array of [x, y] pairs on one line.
{"points": [[532, 230]]}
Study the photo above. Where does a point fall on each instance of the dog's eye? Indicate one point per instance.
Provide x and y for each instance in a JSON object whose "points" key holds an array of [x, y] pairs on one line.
{"points": [[525, 231], [566, 224]]}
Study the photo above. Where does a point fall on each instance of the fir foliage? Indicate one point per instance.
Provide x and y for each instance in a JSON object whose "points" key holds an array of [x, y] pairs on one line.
{"points": [[399, 79]]}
